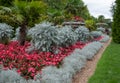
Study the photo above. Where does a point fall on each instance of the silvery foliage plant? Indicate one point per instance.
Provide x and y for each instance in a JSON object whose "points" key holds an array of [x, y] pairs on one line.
{"points": [[71, 64], [64, 74], [44, 37], [83, 33], [11, 76], [67, 36], [105, 38], [96, 34], [101, 29], [5, 31], [1, 67], [91, 49], [17, 34]]}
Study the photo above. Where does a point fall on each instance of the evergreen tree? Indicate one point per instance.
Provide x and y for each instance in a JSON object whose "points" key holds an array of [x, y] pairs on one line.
{"points": [[116, 23]]}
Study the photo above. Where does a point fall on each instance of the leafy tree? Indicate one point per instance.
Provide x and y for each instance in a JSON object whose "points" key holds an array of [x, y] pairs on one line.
{"points": [[72, 6], [56, 16], [101, 18], [77, 8], [28, 13], [112, 8], [55, 11], [65, 9], [116, 23], [84, 13], [56, 4]]}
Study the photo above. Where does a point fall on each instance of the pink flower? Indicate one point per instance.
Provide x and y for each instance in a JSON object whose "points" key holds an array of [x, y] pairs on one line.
{"points": [[31, 70]]}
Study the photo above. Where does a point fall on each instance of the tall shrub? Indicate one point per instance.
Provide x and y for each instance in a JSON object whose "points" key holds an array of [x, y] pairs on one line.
{"points": [[116, 23]]}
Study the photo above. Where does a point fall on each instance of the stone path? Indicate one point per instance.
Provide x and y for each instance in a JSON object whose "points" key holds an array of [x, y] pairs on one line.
{"points": [[83, 75]]}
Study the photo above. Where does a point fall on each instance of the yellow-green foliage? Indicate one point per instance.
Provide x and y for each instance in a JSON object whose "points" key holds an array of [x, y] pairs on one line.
{"points": [[7, 16], [90, 24], [31, 11]]}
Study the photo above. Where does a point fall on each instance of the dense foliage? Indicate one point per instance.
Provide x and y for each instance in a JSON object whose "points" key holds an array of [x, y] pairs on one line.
{"points": [[44, 37], [6, 3], [116, 23], [7, 16], [90, 24], [50, 46], [58, 47], [67, 36], [96, 34], [28, 65], [83, 34], [5, 33]]}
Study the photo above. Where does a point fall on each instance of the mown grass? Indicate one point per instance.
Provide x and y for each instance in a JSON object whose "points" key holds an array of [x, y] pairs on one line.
{"points": [[108, 68]]}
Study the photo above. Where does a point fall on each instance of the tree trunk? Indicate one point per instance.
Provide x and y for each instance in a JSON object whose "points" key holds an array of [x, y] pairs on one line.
{"points": [[23, 33]]}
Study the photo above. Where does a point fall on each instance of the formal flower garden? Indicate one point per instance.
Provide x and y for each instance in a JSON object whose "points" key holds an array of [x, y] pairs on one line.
{"points": [[53, 55], [49, 41]]}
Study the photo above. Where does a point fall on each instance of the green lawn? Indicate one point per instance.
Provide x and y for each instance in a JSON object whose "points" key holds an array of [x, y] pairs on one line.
{"points": [[108, 68]]}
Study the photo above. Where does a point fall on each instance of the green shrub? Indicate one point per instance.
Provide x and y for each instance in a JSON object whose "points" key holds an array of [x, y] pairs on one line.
{"points": [[90, 24]]}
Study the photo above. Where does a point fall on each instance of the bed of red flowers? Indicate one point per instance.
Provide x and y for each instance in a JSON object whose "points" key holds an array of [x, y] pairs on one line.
{"points": [[14, 56], [28, 65]]}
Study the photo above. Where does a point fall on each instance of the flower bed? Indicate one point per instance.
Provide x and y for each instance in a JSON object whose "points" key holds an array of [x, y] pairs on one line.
{"points": [[53, 55], [28, 65]]}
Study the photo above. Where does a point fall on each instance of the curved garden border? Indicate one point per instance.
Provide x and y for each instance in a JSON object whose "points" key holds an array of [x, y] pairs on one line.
{"points": [[51, 74]]}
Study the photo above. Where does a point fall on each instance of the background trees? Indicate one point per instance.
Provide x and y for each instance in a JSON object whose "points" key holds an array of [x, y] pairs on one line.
{"points": [[116, 23], [27, 13]]}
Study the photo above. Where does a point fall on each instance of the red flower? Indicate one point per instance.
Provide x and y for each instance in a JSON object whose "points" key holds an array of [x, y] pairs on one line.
{"points": [[14, 56], [31, 70]]}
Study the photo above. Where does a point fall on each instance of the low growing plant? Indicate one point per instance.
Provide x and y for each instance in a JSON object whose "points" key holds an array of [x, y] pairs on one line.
{"points": [[101, 29], [96, 34]]}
